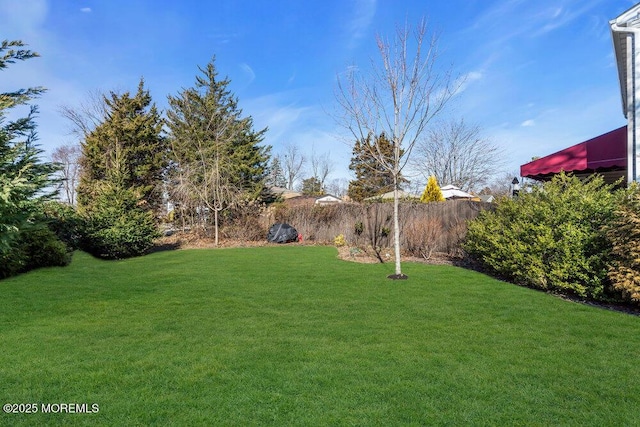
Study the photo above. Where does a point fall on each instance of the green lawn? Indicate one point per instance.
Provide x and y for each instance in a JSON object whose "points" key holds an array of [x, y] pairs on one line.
{"points": [[293, 336]]}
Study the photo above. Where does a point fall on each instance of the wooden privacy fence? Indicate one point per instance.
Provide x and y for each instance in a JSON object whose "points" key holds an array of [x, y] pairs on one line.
{"points": [[426, 228]]}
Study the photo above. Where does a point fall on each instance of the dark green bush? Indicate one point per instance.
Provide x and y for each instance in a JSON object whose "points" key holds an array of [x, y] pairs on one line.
{"points": [[44, 249], [36, 247], [65, 222], [13, 260], [116, 226], [550, 238]]}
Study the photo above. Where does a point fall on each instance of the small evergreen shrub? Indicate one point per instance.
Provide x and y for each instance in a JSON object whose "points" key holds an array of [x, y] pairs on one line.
{"points": [[116, 224], [44, 249], [35, 247], [65, 222], [339, 240], [14, 260], [358, 228], [550, 238]]}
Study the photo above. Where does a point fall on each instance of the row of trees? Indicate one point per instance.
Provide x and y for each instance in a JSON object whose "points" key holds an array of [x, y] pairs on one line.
{"points": [[205, 158], [453, 151]]}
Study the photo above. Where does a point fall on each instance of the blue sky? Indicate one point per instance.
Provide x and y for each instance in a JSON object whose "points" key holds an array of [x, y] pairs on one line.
{"points": [[540, 75]]}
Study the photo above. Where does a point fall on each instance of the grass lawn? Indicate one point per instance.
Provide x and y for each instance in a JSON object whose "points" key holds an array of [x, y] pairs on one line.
{"points": [[290, 335]]}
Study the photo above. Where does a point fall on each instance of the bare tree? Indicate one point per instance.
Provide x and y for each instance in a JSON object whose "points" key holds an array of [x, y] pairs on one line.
{"points": [[403, 92], [90, 113], [502, 184], [456, 153], [68, 157], [293, 164], [202, 172], [321, 167], [338, 187]]}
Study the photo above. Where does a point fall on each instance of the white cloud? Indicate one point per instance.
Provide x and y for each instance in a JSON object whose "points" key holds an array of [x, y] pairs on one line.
{"points": [[365, 11], [528, 123], [85, 10], [559, 17], [462, 83], [248, 71], [292, 78]]}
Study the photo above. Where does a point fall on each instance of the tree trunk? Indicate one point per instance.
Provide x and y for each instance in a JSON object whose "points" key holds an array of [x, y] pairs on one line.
{"points": [[215, 221], [396, 225]]}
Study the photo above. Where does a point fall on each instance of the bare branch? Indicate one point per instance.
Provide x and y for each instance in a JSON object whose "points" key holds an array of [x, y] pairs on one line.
{"points": [[293, 164], [87, 116], [456, 153]]}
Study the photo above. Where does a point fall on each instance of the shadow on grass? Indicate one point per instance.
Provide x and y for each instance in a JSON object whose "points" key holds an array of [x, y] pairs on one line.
{"points": [[470, 264], [162, 247]]}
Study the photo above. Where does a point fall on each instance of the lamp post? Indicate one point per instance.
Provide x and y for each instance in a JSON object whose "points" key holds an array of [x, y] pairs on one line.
{"points": [[515, 187]]}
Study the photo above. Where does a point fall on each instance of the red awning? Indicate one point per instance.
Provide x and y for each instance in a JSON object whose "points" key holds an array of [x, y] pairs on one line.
{"points": [[602, 153]]}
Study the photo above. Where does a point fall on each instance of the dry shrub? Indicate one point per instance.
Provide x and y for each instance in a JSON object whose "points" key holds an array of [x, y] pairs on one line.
{"points": [[423, 236], [427, 228], [378, 228], [279, 212], [243, 221]]}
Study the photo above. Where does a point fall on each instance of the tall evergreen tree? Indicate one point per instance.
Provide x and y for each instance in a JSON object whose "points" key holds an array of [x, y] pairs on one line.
{"points": [[129, 138], [24, 178], [216, 156], [372, 178]]}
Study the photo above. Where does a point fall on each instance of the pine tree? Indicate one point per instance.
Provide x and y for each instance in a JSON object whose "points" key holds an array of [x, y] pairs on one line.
{"points": [[312, 187], [24, 179], [432, 192], [215, 152], [133, 129], [371, 177], [276, 177]]}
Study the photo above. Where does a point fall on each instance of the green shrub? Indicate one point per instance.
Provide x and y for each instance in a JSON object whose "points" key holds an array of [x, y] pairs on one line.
{"points": [[13, 260], [35, 247], [65, 222], [624, 235], [550, 238], [44, 249], [116, 226]]}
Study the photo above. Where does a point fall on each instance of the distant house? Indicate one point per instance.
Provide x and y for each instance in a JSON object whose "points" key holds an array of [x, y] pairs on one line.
{"points": [[451, 192], [328, 199]]}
